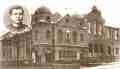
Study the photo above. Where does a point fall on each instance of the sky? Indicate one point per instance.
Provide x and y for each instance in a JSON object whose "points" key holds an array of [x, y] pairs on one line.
{"points": [[109, 8]]}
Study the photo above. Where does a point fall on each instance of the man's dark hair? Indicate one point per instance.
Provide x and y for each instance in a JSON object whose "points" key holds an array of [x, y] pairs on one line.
{"points": [[16, 7]]}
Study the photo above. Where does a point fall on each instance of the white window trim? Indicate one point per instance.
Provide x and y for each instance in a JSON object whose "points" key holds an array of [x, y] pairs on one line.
{"points": [[89, 27]]}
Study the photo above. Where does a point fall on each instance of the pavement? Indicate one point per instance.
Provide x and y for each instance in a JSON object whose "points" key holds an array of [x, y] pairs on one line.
{"points": [[113, 65]]}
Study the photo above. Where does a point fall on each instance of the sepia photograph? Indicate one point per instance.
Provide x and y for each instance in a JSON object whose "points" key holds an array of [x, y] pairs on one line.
{"points": [[59, 34]]}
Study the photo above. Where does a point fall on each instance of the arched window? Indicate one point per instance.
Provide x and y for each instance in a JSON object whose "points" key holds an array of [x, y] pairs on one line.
{"points": [[74, 35], [60, 36], [68, 36]]}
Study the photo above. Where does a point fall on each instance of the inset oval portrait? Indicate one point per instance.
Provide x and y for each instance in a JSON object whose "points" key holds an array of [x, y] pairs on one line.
{"points": [[17, 18]]}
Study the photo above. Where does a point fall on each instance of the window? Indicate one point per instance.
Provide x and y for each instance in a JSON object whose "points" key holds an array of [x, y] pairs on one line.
{"points": [[4, 50], [36, 34], [99, 29], [81, 23], [108, 33], [9, 51], [48, 35], [74, 34], [116, 35], [67, 18], [95, 27], [109, 50], [81, 37], [68, 36], [111, 34], [117, 51], [60, 36], [89, 28], [48, 18], [101, 48], [34, 57], [14, 51], [96, 48], [90, 48]]}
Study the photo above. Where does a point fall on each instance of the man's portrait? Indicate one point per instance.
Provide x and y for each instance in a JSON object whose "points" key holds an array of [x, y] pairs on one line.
{"points": [[16, 19]]}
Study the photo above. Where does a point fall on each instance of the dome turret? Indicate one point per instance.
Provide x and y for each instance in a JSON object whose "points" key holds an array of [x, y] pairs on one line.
{"points": [[43, 10]]}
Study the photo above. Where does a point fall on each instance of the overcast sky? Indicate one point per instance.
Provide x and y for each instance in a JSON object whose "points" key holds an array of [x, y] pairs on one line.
{"points": [[110, 8]]}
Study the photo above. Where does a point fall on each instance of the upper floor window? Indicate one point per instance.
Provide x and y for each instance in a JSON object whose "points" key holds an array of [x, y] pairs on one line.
{"points": [[60, 36], [68, 36], [89, 27], [48, 18], [111, 34], [99, 29], [95, 27], [108, 33], [67, 20], [5, 52], [74, 34], [116, 35]]}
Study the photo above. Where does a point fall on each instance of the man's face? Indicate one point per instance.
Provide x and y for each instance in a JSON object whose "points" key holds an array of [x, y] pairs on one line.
{"points": [[16, 16]]}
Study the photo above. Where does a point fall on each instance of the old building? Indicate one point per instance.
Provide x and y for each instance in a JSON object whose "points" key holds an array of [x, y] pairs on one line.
{"points": [[64, 40], [103, 40], [96, 35], [15, 49], [112, 38], [60, 42]]}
